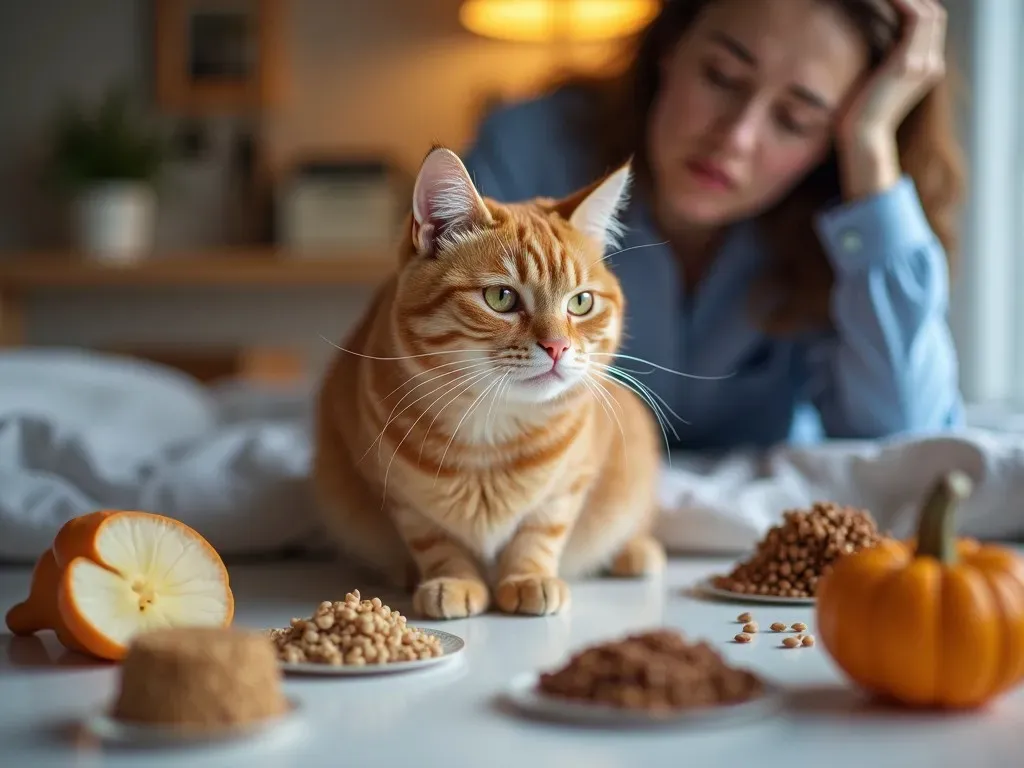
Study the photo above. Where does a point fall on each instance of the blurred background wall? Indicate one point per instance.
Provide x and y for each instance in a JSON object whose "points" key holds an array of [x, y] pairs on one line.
{"points": [[380, 80]]}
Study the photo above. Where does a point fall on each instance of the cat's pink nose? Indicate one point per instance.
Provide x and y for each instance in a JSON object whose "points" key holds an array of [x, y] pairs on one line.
{"points": [[554, 347]]}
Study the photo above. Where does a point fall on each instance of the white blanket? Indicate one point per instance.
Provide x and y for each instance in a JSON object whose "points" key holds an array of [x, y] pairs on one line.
{"points": [[82, 431], [728, 503]]}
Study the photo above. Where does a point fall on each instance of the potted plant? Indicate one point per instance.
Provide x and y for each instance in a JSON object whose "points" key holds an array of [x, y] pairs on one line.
{"points": [[109, 160]]}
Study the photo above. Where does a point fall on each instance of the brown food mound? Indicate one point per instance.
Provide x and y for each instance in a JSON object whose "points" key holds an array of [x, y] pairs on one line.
{"points": [[656, 671], [793, 556], [199, 677]]}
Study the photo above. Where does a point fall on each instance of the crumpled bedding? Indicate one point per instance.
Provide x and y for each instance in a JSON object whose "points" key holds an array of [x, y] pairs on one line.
{"points": [[81, 431], [726, 504]]}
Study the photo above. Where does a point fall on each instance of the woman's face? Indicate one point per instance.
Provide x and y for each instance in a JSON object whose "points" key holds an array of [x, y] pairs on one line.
{"points": [[749, 97]]}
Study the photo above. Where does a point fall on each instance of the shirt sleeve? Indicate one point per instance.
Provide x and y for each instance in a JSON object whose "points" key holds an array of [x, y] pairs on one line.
{"points": [[891, 366]]}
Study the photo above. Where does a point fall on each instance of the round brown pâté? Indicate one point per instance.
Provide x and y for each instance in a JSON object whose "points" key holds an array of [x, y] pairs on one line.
{"points": [[199, 678]]}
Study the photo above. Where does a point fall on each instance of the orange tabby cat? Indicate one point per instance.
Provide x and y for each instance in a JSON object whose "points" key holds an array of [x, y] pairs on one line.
{"points": [[470, 430]]}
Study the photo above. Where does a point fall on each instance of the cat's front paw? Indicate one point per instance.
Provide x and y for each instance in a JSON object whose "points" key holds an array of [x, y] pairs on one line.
{"points": [[450, 598], [642, 556], [533, 595]]}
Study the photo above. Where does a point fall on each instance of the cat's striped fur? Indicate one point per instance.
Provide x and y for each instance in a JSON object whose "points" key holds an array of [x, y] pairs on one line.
{"points": [[437, 459]]}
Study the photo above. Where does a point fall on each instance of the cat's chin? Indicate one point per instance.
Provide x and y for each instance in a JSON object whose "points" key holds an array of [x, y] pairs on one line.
{"points": [[542, 389]]}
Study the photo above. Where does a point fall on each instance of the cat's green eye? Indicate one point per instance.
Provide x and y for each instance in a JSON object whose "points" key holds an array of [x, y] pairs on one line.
{"points": [[581, 303], [501, 298]]}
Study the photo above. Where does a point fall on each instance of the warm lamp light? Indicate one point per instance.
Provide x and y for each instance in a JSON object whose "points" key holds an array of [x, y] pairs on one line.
{"points": [[546, 21]]}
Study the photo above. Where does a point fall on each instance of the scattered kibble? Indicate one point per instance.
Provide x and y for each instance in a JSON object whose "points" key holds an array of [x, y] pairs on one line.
{"points": [[744, 618], [791, 642], [799, 626], [778, 626], [743, 637], [750, 627], [807, 640]]}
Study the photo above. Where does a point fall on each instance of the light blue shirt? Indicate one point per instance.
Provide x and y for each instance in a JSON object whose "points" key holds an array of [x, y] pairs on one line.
{"points": [[888, 367]]}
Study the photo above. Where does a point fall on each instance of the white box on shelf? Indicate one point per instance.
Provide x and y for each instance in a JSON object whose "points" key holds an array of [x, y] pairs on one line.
{"points": [[325, 210]]}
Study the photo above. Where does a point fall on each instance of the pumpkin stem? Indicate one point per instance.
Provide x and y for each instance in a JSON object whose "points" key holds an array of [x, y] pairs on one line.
{"points": [[936, 526]]}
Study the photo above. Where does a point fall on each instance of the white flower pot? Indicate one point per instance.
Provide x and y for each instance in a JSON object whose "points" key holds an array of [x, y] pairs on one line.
{"points": [[115, 220]]}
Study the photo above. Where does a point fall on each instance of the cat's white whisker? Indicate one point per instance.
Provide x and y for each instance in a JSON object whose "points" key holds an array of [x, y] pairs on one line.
{"points": [[620, 371], [653, 398], [490, 410], [432, 369], [447, 386], [392, 416], [478, 375], [458, 426], [661, 367], [504, 394], [630, 248], [403, 357], [660, 417], [615, 403], [445, 406], [627, 370], [643, 392], [603, 398]]}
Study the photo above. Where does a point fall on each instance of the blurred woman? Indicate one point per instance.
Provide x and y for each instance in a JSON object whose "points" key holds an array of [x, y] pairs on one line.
{"points": [[792, 218]]}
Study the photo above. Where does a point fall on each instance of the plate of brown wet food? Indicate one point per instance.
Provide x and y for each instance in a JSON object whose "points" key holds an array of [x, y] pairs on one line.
{"points": [[793, 556], [648, 678]]}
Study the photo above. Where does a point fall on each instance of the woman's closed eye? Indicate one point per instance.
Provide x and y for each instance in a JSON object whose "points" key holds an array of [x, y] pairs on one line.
{"points": [[800, 121], [719, 79], [790, 124]]}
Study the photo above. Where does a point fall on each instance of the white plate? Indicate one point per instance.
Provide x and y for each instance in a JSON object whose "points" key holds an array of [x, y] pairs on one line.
{"points": [[708, 588], [524, 694], [110, 729], [451, 646]]}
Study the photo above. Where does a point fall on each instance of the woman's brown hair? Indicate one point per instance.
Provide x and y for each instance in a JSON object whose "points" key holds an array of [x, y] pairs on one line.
{"points": [[794, 292]]}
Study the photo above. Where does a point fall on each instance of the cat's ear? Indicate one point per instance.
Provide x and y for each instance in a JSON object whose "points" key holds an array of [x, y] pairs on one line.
{"points": [[444, 201], [595, 210]]}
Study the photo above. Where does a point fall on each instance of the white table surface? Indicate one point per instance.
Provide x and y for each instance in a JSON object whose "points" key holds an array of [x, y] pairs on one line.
{"points": [[449, 715]]}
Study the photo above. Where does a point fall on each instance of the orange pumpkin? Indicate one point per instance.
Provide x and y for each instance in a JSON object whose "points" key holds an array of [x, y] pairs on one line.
{"points": [[933, 622]]}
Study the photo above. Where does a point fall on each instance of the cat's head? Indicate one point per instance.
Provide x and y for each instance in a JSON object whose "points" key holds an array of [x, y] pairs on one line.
{"points": [[519, 291]]}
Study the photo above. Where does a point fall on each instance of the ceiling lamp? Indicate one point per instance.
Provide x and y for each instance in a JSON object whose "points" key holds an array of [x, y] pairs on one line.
{"points": [[549, 21]]}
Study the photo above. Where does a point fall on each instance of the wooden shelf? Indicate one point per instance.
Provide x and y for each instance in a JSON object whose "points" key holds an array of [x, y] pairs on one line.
{"points": [[243, 267]]}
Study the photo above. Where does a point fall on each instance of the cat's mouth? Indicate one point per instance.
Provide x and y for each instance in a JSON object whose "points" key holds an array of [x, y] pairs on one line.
{"points": [[536, 384], [554, 374]]}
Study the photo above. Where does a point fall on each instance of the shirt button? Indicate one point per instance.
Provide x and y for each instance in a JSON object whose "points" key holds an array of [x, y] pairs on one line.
{"points": [[851, 242]]}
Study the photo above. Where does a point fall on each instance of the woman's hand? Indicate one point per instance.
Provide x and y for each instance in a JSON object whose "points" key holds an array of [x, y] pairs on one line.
{"points": [[866, 131]]}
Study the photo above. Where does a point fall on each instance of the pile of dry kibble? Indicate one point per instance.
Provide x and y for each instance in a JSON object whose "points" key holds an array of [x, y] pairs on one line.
{"points": [[750, 628], [354, 632], [653, 671], [793, 556]]}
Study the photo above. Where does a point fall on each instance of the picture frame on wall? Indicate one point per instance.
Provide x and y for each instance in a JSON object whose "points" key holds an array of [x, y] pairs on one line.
{"points": [[219, 56]]}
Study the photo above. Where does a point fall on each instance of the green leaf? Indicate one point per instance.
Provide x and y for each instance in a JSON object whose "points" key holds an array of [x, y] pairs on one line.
{"points": [[111, 142]]}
